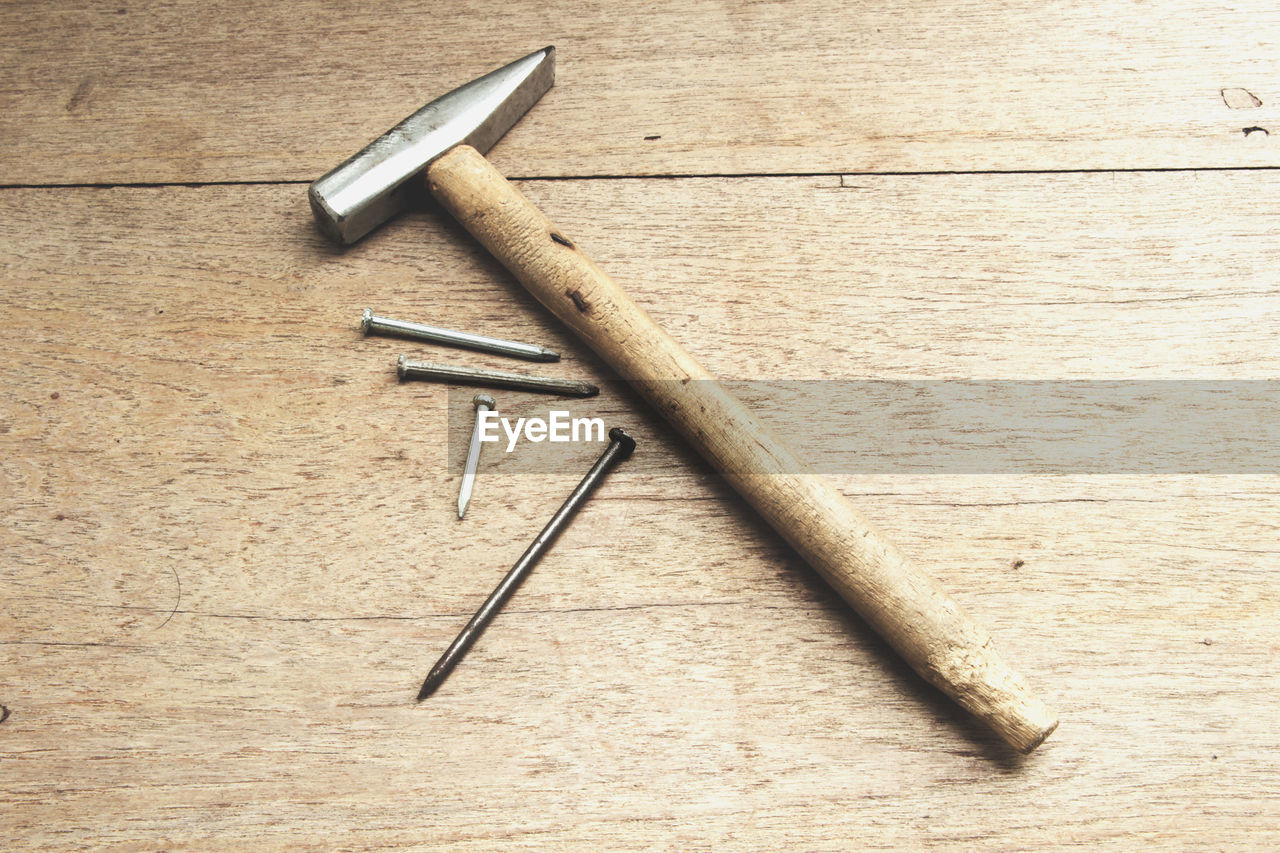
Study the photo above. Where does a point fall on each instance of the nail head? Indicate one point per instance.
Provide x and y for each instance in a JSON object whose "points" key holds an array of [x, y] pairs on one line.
{"points": [[619, 435]]}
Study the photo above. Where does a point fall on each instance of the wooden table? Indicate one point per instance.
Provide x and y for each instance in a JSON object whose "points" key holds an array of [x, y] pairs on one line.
{"points": [[229, 550]]}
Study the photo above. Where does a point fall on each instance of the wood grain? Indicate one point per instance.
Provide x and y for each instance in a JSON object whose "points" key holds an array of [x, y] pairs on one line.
{"points": [[229, 555], [102, 92]]}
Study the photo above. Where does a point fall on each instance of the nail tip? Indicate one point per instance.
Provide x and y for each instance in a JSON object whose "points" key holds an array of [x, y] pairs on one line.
{"points": [[428, 687]]}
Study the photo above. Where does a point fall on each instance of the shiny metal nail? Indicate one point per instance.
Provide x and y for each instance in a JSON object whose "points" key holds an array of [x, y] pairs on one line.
{"points": [[483, 403], [372, 324]]}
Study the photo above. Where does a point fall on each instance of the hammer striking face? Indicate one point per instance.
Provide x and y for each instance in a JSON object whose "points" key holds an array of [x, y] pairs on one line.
{"points": [[375, 184], [917, 617]]}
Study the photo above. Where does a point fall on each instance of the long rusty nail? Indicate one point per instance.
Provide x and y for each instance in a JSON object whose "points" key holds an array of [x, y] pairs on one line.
{"points": [[620, 448]]}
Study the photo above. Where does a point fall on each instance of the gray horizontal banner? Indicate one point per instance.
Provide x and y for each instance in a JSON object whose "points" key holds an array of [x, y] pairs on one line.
{"points": [[935, 426]]}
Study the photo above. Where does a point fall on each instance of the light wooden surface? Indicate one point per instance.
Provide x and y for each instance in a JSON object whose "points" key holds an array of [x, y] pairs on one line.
{"points": [[228, 547], [108, 92]]}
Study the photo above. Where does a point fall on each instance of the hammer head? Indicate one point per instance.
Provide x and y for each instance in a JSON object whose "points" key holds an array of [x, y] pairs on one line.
{"points": [[377, 183]]}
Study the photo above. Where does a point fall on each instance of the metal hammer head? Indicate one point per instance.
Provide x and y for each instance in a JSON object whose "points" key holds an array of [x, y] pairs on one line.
{"points": [[375, 184]]}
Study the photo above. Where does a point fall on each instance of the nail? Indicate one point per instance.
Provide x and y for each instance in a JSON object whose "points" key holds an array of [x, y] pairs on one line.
{"points": [[483, 403], [371, 324], [408, 369], [620, 448]]}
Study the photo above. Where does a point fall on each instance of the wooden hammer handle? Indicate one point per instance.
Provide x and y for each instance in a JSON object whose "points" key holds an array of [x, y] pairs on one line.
{"points": [[901, 602]]}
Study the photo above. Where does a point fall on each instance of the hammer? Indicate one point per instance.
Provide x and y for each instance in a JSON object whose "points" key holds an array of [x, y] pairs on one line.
{"points": [[443, 144]]}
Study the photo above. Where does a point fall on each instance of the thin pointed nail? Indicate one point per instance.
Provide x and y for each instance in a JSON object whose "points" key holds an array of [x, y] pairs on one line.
{"points": [[372, 324], [620, 448], [406, 368], [483, 403]]}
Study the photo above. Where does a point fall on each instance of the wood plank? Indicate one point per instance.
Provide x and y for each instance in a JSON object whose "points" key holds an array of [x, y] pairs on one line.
{"points": [[230, 556], [191, 92]]}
